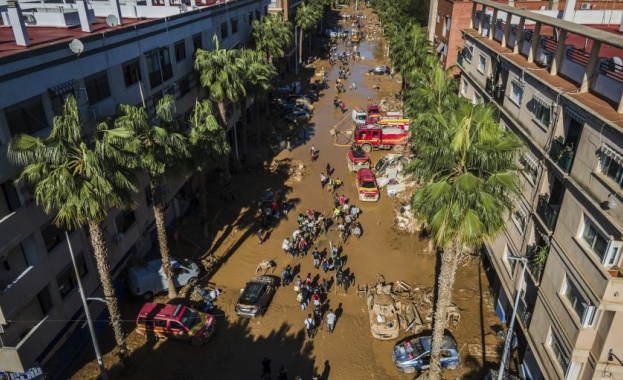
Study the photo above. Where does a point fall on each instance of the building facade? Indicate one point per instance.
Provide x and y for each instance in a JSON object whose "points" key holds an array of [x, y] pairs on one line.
{"points": [[557, 80], [104, 54]]}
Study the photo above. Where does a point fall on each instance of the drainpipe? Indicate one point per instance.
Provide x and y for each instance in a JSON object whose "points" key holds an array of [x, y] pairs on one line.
{"points": [[83, 13], [17, 23]]}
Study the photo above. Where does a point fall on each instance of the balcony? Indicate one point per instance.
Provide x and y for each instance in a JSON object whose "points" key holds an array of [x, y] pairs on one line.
{"points": [[524, 313], [459, 60], [547, 212], [537, 258], [562, 155]]}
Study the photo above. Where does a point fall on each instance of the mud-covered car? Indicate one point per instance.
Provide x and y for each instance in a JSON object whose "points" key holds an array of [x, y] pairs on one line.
{"points": [[255, 297], [357, 159], [414, 354], [366, 186]]}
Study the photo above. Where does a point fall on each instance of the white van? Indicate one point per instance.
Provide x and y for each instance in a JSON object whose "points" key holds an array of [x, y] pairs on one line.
{"points": [[148, 279], [359, 116]]}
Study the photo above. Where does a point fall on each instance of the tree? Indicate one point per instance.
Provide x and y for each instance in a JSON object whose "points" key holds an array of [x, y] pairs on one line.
{"points": [[208, 147], [307, 17], [466, 165], [409, 50], [221, 71], [272, 35], [156, 147], [79, 178], [433, 91], [256, 81]]}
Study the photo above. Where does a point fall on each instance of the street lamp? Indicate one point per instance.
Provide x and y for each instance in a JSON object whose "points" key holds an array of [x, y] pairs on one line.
{"points": [[509, 335], [87, 313]]}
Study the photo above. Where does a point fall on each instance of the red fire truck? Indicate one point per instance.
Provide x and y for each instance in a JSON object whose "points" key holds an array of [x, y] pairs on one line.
{"points": [[370, 137]]}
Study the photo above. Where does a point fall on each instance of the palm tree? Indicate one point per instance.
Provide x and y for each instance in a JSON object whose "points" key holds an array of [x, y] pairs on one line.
{"points": [[157, 147], [208, 146], [466, 165], [221, 72], [307, 16], [433, 90], [272, 35], [257, 81], [409, 50], [79, 178]]}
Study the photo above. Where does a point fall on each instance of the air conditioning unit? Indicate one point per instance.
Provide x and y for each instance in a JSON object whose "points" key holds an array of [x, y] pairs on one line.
{"points": [[585, 6], [118, 238], [95, 113], [166, 190], [545, 59]]}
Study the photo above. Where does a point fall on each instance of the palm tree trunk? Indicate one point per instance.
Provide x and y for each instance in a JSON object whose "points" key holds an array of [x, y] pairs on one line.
{"points": [[301, 46], [100, 251], [163, 242], [243, 128], [223, 111], [449, 262]]}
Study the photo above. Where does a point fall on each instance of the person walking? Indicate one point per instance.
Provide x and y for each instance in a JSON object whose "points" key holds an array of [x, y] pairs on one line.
{"points": [[282, 374], [323, 180], [324, 264], [266, 366], [331, 317], [316, 257], [309, 326], [342, 200], [329, 170]]}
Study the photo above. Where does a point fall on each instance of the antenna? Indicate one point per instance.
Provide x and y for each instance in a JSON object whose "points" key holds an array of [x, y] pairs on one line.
{"points": [[112, 21], [76, 46], [183, 7]]}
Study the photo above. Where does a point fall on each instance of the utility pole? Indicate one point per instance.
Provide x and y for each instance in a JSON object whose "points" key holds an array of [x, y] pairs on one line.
{"points": [[511, 325], [87, 313]]}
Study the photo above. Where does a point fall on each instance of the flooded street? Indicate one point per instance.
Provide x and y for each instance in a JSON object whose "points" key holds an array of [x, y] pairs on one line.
{"points": [[350, 352]]}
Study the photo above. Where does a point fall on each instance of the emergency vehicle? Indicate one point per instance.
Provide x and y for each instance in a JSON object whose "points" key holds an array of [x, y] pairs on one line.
{"points": [[366, 186], [175, 321], [369, 137]]}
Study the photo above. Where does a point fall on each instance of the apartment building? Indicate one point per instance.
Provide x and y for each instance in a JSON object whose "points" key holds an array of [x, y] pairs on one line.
{"points": [[104, 53], [557, 80]]}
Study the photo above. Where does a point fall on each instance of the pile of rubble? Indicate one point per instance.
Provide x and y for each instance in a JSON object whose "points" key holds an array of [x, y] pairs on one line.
{"points": [[388, 104], [405, 220], [294, 169]]}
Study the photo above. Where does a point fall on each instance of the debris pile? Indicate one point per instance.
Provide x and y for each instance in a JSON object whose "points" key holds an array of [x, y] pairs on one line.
{"points": [[388, 104], [405, 220]]}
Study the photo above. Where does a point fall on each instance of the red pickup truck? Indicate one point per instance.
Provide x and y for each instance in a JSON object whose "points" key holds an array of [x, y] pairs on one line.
{"points": [[357, 159]]}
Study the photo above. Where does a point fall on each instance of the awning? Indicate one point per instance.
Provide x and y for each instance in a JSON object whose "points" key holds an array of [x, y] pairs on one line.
{"points": [[575, 115], [63, 88], [613, 154], [440, 47], [539, 98]]}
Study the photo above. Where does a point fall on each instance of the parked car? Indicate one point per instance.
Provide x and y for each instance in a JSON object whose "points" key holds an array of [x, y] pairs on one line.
{"points": [[357, 159], [414, 354], [256, 296], [366, 186], [297, 116], [379, 70], [175, 321], [148, 279]]}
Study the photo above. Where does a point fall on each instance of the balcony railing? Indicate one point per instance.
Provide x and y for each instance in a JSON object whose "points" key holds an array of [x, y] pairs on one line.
{"points": [[546, 212], [562, 155], [537, 258], [523, 313]]}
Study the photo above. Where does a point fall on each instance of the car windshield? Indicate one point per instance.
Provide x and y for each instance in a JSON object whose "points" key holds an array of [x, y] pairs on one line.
{"points": [[189, 318], [368, 185]]}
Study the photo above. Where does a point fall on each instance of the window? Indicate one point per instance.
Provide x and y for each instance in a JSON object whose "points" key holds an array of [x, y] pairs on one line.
{"points": [[464, 87], [97, 87], [9, 200], [468, 51], [159, 67], [26, 117], [234, 25], [482, 63], [558, 354], [45, 301], [520, 219], [224, 30], [516, 91], [124, 221], [448, 22], [131, 72], [576, 301], [58, 101], [180, 51], [197, 43], [542, 110], [612, 165], [607, 251], [52, 236], [512, 264], [530, 166], [66, 280]]}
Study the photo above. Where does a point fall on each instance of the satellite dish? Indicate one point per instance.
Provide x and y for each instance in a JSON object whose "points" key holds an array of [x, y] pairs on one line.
{"points": [[76, 46], [183, 7], [112, 21], [615, 64]]}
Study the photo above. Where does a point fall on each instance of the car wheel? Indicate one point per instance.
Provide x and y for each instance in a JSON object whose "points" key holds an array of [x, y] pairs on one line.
{"points": [[367, 148], [452, 366], [149, 296], [196, 341], [409, 370]]}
